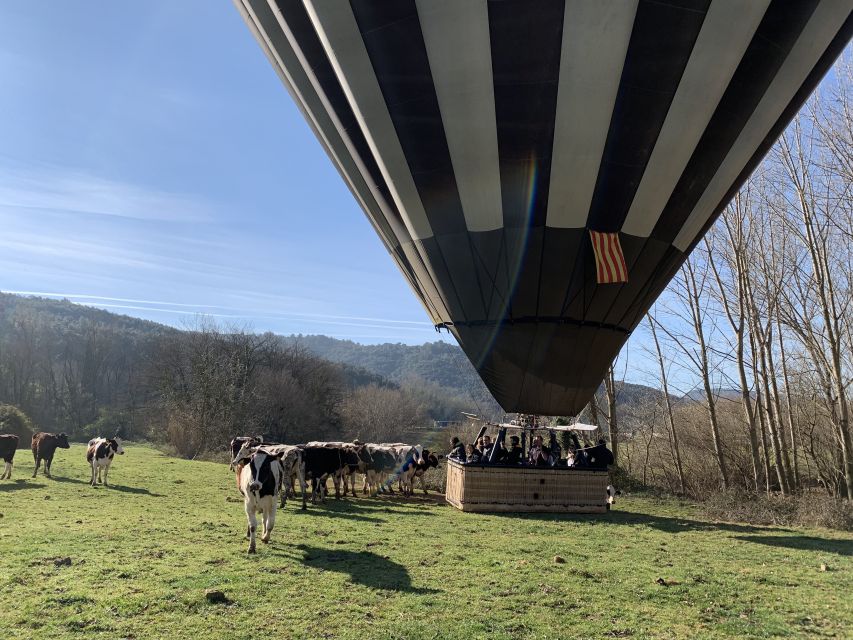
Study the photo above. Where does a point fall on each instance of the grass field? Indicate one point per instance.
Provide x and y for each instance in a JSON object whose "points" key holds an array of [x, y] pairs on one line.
{"points": [[143, 551]]}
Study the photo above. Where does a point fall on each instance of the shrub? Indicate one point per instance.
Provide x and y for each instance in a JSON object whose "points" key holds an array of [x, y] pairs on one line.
{"points": [[809, 509], [13, 420]]}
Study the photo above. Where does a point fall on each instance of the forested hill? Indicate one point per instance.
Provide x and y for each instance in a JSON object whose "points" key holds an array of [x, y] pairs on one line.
{"points": [[63, 313], [438, 363]]}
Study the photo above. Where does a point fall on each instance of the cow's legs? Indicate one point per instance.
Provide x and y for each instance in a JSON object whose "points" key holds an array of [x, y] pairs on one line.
{"points": [[7, 472], [253, 525], [269, 521], [423, 484], [95, 471], [106, 471], [301, 473], [47, 463], [36, 470]]}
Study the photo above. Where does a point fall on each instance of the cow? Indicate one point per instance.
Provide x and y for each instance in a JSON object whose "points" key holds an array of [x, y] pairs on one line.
{"points": [[612, 492], [324, 461], [355, 458], [259, 479], [100, 454], [291, 462], [44, 445], [237, 443], [388, 461], [417, 469], [8, 446]]}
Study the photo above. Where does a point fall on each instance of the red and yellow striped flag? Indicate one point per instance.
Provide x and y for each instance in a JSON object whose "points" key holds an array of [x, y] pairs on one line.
{"points": [[609, 260]]}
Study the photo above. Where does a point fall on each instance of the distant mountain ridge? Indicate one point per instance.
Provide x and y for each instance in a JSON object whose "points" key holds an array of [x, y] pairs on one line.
{"points": [[437, 363]]}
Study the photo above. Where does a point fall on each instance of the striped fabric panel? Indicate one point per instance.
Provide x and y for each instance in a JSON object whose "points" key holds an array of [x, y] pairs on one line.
{"points": [[610, 264]]}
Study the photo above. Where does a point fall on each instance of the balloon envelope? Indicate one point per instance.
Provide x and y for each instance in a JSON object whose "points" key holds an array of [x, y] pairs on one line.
{"points": [[539, 170]]}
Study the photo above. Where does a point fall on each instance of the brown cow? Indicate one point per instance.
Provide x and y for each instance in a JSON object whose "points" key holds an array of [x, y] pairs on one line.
{"points": [[44, 446]]}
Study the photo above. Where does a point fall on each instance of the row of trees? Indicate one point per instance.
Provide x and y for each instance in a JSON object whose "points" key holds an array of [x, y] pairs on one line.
{"points": [[758, 326], [87, 372]]}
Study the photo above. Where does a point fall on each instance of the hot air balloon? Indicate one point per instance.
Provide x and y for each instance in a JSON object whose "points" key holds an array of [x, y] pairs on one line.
{"points": [[539, 169]]}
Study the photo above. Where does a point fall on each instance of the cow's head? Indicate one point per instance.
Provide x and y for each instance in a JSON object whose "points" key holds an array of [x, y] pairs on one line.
{"points": [[261, 465], [364, 457], [115, 445], [62, 441], [243, 454]]}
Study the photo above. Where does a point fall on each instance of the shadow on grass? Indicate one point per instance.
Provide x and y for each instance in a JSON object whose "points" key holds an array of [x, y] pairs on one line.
{"points": [[364, 567], [135, 490], [21, 483], [661, 523], [804, 543], [69, 480], [338, 510]]}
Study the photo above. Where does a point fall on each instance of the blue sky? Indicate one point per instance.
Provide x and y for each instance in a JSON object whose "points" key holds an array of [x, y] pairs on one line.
{"points": [[151, 163]]}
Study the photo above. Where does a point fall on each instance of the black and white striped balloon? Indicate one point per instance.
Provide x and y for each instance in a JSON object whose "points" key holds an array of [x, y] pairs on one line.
{"points": [[485, 139]]}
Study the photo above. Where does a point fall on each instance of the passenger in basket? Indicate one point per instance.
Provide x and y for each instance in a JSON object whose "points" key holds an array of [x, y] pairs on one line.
{"points": [[538, 456], [600, 456], [457, 450], [473, 456], [513, 454], [487, 447], [579, 453]]}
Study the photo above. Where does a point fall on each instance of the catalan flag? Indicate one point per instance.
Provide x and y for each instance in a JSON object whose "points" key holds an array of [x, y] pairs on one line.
{"points": [[610, 264]]}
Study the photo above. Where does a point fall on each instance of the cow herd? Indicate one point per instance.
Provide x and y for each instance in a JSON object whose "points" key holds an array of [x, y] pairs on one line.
{"points": [[267, 473], [99, 453]]}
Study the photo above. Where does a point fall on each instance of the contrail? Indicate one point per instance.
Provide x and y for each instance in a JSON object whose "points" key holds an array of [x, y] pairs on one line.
{"points": [[261, 314]]}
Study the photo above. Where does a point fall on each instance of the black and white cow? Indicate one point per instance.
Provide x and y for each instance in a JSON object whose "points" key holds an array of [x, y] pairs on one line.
{"points": [[8, 446], [44, 445], [354, 458], [326, 461], [388, 460], [612, 492], [237, 443], [259, 478], [100, 454], [291, 462], [417, 468]]}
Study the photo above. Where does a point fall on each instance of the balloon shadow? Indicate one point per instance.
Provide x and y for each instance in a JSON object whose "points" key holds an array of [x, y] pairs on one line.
{"points": [[629, 518], [364, 567], [804, 543]]}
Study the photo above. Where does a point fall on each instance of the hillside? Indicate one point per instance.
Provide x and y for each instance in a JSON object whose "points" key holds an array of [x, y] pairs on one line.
{"points": [[437, 363], [438, 374]]}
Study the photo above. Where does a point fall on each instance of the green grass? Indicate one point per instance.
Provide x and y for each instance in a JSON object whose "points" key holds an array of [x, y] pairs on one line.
{"points": [[144, 550]]}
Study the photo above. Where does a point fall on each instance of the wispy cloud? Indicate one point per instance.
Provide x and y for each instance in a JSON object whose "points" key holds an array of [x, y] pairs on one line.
{"points": [[185, 309], [74, 192]]}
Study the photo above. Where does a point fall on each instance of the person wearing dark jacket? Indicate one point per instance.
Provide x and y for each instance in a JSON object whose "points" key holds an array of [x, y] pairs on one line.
{"points": [[473, 455], [599, 456], [457, 450], [513, 454]]}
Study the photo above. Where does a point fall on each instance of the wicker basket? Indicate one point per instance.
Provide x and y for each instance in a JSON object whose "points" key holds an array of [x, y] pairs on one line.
{"points": [[502, 488]]}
